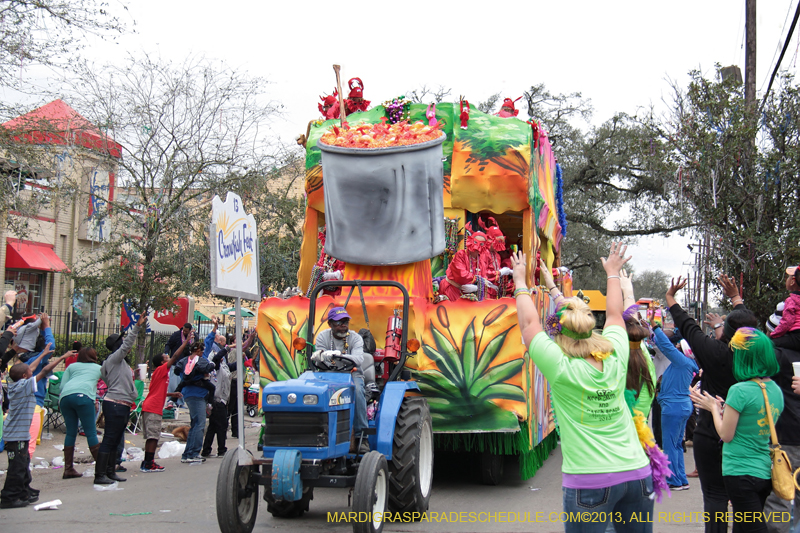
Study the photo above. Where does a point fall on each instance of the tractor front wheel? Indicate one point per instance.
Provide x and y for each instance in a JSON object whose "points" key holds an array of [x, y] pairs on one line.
{"points": [[237, 495], [371, 493], [412, 458]]}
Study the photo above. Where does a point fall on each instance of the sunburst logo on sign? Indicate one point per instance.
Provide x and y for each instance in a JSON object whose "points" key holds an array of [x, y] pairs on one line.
{"points": [[234, 256]]}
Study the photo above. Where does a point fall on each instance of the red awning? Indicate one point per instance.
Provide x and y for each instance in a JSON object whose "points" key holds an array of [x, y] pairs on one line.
{"points": [[32, 256]]}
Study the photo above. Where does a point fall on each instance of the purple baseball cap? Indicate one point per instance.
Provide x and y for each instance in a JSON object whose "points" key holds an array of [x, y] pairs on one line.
{"points": [[337, 313]]}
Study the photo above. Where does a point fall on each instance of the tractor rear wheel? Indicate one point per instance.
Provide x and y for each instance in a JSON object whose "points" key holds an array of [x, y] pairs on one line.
{"points": [[412, 458]]}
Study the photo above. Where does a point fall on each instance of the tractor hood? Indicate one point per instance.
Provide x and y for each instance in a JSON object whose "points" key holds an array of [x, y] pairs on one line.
{"points": [[312, 391]]}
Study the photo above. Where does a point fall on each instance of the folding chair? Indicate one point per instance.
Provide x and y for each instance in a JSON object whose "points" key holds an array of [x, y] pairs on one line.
{"points": [[53, 418], [136, 414]]}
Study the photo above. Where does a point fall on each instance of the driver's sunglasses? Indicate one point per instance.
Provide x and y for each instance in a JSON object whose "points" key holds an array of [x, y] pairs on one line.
{"points": [[342, 322]]}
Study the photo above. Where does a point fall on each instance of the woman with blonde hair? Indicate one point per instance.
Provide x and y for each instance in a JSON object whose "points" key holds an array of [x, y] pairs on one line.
{"points": [[605, 470]]}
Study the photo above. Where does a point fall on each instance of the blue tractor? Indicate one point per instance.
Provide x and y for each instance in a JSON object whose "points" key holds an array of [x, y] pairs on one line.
{"points": [[307, 436]]}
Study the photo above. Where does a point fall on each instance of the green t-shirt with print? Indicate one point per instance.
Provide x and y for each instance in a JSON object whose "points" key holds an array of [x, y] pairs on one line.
{"points": [[748, 453], [597, 431]]}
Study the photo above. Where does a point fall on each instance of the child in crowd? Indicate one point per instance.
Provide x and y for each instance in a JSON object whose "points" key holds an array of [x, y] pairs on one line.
{"points": [[26, 338], [787, 332], [153, 405], [196, 370], [17, 491]]}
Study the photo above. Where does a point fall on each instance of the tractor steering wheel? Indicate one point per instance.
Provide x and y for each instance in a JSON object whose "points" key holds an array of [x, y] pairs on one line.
{"points": [[342, 364]]}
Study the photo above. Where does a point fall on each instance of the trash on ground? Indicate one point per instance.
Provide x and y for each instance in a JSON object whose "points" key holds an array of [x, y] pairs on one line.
{"points": [[47, 505], [171, 449], [113, 486], [167, 435], [255, 425], [89, 472], [47, 436], [38, 458], [128, 514], [135, 454], [166, 510], [59, 447], [532, 488], [58, 461]]}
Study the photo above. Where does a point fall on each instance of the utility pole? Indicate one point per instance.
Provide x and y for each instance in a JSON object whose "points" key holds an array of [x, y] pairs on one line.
{"points": [[750, 55]]}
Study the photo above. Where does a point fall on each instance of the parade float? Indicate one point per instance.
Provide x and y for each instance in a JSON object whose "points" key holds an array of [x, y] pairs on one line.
{"points": [[375, 212]]}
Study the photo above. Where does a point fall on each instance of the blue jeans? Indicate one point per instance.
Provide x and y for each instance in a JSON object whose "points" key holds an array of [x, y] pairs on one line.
{"points": [[628, 505], [197, 415], [360, 407], [673, 424], [74, 407]]}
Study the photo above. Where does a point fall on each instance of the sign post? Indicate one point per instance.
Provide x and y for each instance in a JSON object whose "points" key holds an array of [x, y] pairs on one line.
{"points": [[235, 273]]}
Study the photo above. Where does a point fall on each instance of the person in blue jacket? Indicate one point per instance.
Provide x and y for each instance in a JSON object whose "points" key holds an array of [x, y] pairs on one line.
{"points": [[41, 385], [676, 407]]}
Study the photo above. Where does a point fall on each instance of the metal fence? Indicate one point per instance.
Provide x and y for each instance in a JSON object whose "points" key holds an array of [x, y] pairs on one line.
{"points": [[69, 327]]}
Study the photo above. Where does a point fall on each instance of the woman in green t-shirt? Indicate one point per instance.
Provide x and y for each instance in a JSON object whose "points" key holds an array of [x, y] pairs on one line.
{"points": [[605, 471], [744, 428]]}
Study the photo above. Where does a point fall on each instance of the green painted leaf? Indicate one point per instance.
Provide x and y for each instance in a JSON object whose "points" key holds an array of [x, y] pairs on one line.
{"points": [[468, 353], [286, 360], [498, 374], [443, 365], [451, 357], [273, 366], [490, 352], [300, 362], [436, 380], [503, 391]]}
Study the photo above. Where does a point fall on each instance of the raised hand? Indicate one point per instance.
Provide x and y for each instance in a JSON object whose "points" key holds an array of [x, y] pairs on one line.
{"points": [[675, 286], [616, 258], [518, 261], [546, 274], [728, 286]]}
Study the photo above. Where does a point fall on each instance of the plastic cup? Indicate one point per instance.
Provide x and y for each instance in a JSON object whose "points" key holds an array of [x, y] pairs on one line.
{"points": [[142, 371], [796, 367]]}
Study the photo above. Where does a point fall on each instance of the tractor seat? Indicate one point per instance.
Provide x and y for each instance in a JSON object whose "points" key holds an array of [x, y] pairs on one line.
{"points": [[368, 369]]}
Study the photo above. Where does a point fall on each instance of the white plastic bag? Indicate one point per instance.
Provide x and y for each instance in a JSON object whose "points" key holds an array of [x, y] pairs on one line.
{"points": [[135, 454], [113, 486], [171, 449], [58, 461]]}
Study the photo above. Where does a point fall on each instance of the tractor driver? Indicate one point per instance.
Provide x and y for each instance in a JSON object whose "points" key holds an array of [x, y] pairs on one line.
{"points": [[341, 341]]}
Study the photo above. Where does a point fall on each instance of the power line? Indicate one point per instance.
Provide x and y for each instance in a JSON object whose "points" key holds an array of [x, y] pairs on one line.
{"points": [[783, 52], [785, 19]]}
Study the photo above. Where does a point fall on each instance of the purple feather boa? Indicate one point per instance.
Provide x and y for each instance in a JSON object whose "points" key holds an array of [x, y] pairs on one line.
{"points": [[630, 312], [661, 471]]}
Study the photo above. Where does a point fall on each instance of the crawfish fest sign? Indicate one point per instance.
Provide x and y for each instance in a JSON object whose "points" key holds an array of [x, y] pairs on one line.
{"points": [[234, 250]]}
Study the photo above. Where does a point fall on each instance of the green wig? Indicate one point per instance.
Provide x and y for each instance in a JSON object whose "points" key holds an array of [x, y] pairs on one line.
{"points": [[753, 355]]}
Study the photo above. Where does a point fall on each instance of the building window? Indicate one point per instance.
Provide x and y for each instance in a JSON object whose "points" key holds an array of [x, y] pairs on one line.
{"points": [[84, 311], [29, 287]]}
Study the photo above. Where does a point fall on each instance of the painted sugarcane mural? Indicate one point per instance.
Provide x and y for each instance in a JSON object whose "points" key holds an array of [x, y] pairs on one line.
{"points": [[484, 392]]}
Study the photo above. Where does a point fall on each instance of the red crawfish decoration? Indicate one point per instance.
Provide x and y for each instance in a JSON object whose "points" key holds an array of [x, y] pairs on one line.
{"points": [[355, 100], [330, 105], [464, 113], [535, 132], [508, 109]]}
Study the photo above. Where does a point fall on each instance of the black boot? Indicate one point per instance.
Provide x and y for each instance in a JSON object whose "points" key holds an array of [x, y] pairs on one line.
{"points": [[111, 472], [100, 469]]}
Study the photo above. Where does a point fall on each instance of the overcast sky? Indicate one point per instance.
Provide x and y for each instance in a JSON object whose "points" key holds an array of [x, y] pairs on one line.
{"points": [[620, 54]]}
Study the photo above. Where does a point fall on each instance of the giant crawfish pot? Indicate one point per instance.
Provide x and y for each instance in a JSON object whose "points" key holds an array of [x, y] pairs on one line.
{"points": [[384, 206]]}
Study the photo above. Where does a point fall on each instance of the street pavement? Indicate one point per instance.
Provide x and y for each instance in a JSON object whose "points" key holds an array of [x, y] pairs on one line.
{"points": [[182, 499]]}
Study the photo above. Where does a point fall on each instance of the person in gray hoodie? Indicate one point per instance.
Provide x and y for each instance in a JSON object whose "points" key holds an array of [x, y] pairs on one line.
{"points": [[118, 401]]}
